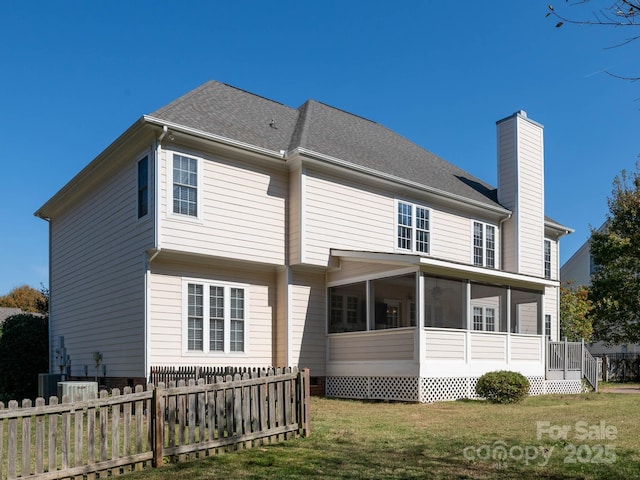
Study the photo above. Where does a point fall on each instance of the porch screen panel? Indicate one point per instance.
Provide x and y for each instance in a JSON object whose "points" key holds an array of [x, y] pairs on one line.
{"points": [[445, 303], [347, 308], [526, 312], [393, 299], [491, 301]]}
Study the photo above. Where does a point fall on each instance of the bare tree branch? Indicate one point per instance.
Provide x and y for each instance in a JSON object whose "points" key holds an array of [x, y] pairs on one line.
{"points": [[618, 13]]}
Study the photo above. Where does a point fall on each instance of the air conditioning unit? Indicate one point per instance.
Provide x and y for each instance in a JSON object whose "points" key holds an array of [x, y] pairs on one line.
{"points": [[48, 384], [77, 391]]}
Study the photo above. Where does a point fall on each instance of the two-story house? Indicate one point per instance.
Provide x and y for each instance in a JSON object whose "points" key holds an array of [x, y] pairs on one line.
{"points": [[578, 271], [228, 229]]}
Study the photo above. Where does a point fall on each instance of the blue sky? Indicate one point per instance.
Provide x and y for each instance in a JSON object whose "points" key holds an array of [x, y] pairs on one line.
{"points": [[76, 74]]}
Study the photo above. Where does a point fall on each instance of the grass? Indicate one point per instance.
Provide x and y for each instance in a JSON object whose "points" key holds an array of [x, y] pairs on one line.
{"points": [[449, 440]]}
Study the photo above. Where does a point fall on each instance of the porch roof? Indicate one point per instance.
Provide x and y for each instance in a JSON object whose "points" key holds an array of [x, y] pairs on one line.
{"points": [[447, 268]]}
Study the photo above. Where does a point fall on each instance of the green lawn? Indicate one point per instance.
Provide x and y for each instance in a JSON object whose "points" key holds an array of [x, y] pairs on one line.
{"points": [[589, 436]]}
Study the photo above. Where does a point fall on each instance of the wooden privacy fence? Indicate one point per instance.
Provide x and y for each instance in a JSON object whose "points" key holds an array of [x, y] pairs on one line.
{"points": [[166, 374], [117, 433]]}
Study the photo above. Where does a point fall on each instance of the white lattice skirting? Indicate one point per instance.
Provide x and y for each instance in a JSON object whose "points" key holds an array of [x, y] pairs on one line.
{"points": [[427, 390]]}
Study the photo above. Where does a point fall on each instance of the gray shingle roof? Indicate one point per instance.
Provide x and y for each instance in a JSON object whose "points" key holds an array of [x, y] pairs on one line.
{"points": [[224, 110]]}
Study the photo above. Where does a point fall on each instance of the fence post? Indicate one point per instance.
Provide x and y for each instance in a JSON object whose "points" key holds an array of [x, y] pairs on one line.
{"points": [[157, 426], [582, 358], [305, 392], [566, 358]]}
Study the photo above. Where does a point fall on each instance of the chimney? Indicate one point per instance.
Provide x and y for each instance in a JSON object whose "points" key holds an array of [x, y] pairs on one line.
{"points": [[521, 190]]}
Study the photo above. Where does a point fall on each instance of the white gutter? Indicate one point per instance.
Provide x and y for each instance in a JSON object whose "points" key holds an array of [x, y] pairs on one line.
{"points": [[176, 127], [392, 178]]}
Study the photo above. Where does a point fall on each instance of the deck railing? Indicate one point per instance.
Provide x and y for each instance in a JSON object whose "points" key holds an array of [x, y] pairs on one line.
{"points": [[571, 359]]}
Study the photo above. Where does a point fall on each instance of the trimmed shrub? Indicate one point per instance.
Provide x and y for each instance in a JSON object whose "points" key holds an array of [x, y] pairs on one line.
{"points": [[24, 353], [503, 386]]}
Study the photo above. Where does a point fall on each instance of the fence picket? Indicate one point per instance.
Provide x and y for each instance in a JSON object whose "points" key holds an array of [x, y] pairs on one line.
{"points": [[12, 443], [91, 436], [104, 414], [243, 408], [66, 435], [53, 437]]}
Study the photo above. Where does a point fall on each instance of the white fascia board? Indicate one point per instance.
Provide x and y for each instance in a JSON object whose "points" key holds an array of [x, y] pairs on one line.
{"points": [[486, 274], [443, 267], [329, 160], [561, 229], [176, 127]]}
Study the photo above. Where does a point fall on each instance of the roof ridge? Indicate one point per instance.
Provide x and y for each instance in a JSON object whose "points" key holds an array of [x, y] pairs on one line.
{"points": [[253, 94], [345, 111]]}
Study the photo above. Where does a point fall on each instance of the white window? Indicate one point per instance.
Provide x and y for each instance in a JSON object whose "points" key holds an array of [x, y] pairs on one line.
{"points": [[484, 318], [484, 245], [413, 228], [185, 185], [547, 326], [547, 259], [216, 317]]}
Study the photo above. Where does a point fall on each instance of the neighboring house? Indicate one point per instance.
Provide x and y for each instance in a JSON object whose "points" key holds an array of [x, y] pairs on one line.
{"points": [[578, 271], [229, 229], [6, 312]]}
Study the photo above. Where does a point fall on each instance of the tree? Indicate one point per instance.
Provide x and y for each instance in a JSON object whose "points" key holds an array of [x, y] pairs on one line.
{"points": [[615, 284], [26, 298], [614, 13], [575, 323], [24, 353]]}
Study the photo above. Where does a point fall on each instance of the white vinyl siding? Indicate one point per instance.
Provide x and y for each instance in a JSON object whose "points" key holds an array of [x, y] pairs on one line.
{"points": [[167, 333], [372, 346], [446, 345], [337, 212], [308, 321], [521, 189], [531, 198], [508, 191], [241, 212], [97, 276], [345, 215]]}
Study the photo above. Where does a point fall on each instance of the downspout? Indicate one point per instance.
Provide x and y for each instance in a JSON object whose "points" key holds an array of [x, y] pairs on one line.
{"points": [[508, 217], [156, 250]]}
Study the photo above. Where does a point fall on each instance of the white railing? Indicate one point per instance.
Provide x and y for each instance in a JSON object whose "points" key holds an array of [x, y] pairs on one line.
{"points": [[569, 358]]}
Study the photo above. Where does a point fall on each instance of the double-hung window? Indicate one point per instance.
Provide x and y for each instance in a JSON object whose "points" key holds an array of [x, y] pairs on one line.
{"points": [[216, 316], [547, 326], [413, 228], [547, 259], [484, 245], [185, 185], [484, 318]]}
